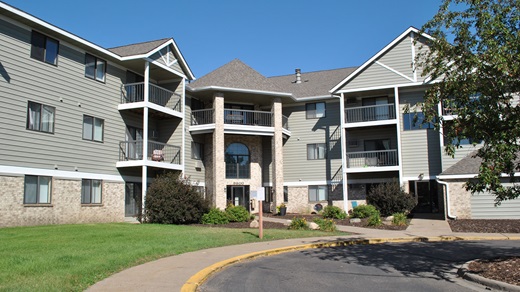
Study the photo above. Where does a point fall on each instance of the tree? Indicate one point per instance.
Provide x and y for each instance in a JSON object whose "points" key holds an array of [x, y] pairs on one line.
{"points": [[479, 76], [170, 199]]}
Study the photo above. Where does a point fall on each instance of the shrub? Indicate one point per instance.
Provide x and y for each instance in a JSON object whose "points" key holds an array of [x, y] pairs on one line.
{"points": [[364, 211], [298, 223], [399, 219], [374, 220], [215, 216], [173, 200], [390, 198], [237, 213], [333, 212], [327, 225]]}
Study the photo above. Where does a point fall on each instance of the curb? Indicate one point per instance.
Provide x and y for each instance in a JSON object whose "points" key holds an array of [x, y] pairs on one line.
{"points": [[200, 277], [466, 274]]}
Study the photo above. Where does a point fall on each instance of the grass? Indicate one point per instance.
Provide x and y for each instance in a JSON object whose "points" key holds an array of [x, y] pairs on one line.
{"points": [[73, 257]]}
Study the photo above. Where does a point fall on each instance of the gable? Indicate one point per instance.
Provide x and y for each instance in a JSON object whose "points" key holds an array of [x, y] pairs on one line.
{"points": [[166, 57]]}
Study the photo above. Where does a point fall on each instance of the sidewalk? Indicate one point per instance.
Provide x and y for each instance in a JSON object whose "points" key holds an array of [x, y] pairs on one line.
{"points": [[171, 273]]}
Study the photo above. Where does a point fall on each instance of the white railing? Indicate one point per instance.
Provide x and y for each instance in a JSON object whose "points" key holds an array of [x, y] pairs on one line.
{"points": [[247, 117], [370, 113], [202, 117], [372, 158], [134, 92]]}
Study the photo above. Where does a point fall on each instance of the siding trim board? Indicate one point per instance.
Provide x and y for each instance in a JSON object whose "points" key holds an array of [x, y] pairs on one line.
{"points": [[14, 170]]}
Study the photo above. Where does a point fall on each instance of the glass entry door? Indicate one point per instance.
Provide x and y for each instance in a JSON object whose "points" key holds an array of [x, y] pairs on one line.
{"points": [[133, 199], [238, 196], [134, 146]]}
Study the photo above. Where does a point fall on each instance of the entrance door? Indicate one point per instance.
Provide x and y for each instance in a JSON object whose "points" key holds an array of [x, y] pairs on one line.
{"points": [[133, 200], [426, 195], [238, 196], [134, 147]]}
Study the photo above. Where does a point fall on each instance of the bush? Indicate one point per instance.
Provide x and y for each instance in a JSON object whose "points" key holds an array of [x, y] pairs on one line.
{"points": [[298, 224], [333, 212], [237, 213], [399, 219], [374, 220], [173, 200], [364, 211], [327, 225], [215, 216], [390, 198]]}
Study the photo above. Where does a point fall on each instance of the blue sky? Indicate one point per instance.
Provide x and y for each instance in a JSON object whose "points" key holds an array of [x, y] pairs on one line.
{"points": [[272, 36]]}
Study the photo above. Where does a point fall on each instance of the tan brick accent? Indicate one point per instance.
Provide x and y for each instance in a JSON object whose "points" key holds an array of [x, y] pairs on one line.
{"points": [[277, 151], [65, 207], [218, 164], [460, 200]]}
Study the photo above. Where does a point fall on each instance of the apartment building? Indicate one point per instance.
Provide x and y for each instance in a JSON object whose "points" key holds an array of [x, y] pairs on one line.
{"points": [[85, 129]]}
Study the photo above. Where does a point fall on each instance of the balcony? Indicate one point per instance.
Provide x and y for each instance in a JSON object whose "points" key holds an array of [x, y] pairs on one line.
{"points": [[244, 121], [160, 99], [367, 161], [159, 154], [372, 114]]}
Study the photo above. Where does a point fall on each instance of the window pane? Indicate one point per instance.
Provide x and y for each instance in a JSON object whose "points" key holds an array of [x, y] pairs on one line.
{"points": [[34, 116], [310, 109], [85, 191], [51, 51], [96, 192], [322, 193], [90, 65], [100, 70], [87, 127], [31, 189], [98, 129], [48, 119], [320, 109], [37, 46], [321, 151], [45, 190], [312, 194]]}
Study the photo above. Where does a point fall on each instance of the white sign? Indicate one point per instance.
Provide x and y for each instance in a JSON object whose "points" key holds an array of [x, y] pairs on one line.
{"points": [[260, 194], [253, 195]]}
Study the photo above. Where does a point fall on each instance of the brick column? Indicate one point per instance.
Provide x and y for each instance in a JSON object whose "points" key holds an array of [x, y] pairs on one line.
{"points": [[277, 151], [219, 166]]}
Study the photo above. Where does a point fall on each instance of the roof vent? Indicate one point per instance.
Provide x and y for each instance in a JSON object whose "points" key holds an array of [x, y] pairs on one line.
{"points": [[298, 75]]}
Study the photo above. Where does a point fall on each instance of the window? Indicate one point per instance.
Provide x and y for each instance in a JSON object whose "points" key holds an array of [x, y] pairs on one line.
{"points": [[316, 151], [286, 194], [44, 48], [93, 128], [412, 121], [40, 117], [197, 151], [318, 193], [95, 68], [237, 161], [315, 110], [91, 191], [37, 189]]}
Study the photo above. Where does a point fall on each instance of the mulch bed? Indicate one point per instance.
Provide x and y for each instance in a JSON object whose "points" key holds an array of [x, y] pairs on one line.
{"points": [[266, 225], [485, 225], [345, 222], [501, 269]]}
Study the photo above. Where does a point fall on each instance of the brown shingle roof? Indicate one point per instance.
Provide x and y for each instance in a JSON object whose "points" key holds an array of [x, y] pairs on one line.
{"points": [[235, 74], [316, 83], [467, 165], [138, 49]]}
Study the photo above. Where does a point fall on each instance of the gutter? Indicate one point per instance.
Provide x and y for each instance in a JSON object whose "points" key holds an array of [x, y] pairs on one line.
{"points": [[448, 210]]}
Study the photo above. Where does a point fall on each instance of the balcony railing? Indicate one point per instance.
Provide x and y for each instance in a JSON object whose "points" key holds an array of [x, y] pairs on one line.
{"points": [[370, 113], [372, 158], [134, 92], [157, 151], [237, 117], [202, 117]]}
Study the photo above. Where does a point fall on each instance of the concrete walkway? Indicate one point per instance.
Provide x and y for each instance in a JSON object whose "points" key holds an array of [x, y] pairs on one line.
{"points": [[171, 273]]}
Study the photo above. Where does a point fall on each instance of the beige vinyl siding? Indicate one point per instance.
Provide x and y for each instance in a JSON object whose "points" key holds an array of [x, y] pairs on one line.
{"points": [[483, 207], [465, 150], [399, 58], [420, 149], [159, 59], [72, 94], [195, 175], [267, 159], [308, 131], [421, 47]]}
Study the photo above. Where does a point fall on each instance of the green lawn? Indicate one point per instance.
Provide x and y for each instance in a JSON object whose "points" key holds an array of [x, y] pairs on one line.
{"points": [[73, 257]]}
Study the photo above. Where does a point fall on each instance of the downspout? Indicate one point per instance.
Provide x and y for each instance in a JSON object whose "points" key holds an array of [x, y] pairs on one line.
{"points": [[448, 210]]}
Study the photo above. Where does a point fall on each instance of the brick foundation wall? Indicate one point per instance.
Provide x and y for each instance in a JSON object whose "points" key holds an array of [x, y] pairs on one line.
{"points": [[65, 207]]}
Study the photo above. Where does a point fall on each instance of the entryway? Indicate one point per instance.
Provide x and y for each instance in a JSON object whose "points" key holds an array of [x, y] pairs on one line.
{"points": [[238, 196], [427, 196]]}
